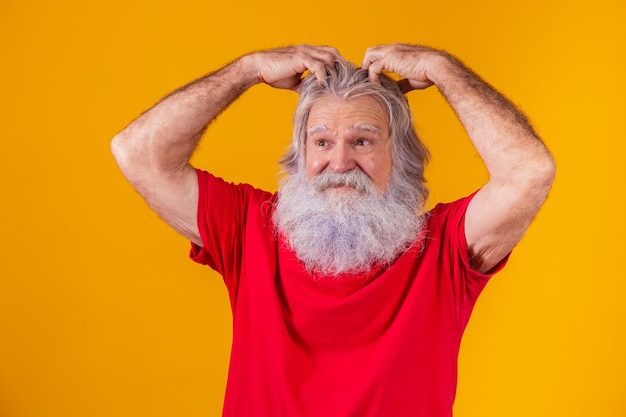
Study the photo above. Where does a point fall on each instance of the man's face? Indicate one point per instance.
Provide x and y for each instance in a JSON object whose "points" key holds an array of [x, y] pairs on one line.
{"points": [[343, 135]]}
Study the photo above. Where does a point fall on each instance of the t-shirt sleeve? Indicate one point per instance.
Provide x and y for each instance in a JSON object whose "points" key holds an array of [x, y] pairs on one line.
{"points": [[222, 215], [468, 282]]}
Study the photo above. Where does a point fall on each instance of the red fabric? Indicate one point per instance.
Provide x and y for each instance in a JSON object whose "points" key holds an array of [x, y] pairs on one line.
{"points": [[381, 345]]}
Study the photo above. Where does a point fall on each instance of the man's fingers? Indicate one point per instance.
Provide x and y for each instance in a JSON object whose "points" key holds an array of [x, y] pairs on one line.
{"points": [[284, 67], [411, 63], [367, 61], [374, 61], [333, 52], [372, 54], [318, 69], [325, 54], [374, 68], [318, 58]]}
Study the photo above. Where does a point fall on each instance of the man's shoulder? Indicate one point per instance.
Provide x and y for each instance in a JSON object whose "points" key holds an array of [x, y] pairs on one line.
{"points": [[448, 216], [211, 182], [444, 209]]}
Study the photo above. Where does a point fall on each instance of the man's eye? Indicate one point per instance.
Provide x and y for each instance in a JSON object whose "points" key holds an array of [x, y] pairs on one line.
{"points": [[322, 142], [362, 142]]}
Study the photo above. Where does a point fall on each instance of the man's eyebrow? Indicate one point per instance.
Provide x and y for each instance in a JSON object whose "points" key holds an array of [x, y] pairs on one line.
{"points": [[317, 129], [368, 127]]}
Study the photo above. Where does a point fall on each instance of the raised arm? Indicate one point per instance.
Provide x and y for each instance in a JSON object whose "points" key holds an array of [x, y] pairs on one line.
{"points": [[153, 152], [520, 167]]}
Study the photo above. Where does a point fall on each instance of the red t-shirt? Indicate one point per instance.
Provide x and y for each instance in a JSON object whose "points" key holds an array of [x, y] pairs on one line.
{"points": [[382, 345]]}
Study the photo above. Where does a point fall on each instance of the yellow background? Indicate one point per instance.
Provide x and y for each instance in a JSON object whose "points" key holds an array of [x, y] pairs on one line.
{"points": [[101, 313]]}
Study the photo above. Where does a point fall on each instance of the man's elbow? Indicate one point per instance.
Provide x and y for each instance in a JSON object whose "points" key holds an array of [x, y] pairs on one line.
{"points": [[117, 148], [547, 170], [126, 156], [540, 176]]}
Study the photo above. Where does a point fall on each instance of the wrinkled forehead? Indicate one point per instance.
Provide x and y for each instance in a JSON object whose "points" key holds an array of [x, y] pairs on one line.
{"points": [[362, 113]]}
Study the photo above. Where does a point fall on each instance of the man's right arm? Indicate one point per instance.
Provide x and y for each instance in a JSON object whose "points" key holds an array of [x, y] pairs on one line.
{"points": [[153, 152]]}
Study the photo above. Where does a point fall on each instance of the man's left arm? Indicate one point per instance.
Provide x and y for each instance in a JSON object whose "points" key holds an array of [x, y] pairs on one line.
{"points": [[521, 169]]}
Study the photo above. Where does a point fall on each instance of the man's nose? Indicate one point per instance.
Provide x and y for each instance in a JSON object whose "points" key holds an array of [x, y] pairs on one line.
{"points": [[342, 159]]}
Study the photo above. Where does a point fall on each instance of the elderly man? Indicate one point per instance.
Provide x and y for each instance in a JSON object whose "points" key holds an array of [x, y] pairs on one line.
{"points": [[348, 298]]}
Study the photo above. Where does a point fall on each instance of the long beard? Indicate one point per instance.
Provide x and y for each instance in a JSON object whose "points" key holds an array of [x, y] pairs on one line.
{"points": [[334, 232]]}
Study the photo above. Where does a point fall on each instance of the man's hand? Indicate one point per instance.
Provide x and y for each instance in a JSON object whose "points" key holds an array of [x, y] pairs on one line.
{"points": [[284, 67], [417, 65]]}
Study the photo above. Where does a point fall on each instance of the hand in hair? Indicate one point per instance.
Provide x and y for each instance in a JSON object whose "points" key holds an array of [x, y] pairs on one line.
{"points": [[417, 65], [284, 67]]}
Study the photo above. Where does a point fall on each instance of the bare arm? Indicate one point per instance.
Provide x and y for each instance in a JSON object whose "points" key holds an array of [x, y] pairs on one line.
{"points": [[520, 167], [153, 152]]}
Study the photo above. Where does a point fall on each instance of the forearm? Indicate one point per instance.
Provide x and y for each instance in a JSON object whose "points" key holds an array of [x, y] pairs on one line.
{"points": [[501, 133], [163, 139]]}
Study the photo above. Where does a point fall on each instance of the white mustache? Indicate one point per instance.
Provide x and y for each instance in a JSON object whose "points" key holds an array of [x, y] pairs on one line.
{"points": [[355, 178]]}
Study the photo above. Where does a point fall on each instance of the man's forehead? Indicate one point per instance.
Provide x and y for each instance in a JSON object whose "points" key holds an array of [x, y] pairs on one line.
{"points": [[363, 108]]}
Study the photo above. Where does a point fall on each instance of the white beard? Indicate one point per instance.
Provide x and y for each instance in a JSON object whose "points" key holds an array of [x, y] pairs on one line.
{"points": [[335, 232]]}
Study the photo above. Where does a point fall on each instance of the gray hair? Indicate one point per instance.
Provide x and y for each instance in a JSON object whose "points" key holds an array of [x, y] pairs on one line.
{"points": [[346, 81]]}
